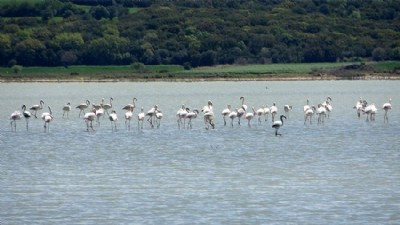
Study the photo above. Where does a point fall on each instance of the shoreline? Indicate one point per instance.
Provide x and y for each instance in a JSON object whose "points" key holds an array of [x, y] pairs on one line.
{"points": [[201, 79]]}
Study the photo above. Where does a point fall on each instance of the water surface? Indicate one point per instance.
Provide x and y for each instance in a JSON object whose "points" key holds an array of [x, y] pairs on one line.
{"points": [[346, 171]]}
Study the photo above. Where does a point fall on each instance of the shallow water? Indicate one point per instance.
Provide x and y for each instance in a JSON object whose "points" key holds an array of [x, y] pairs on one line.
{"points": [[346, 171]]}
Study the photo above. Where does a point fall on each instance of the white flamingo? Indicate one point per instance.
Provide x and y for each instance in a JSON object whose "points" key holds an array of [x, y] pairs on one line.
{"points": [[113, 118], [259, 112], [181, 114], [370, 110], [47, 117], [36, 108], [321, 112], [99, 113], [249, 116], [141, 117], [328, 105], [266, 112], [208, 115], [190, 116], [159, 116], [16, 115], [106, 107], [309, 113], [306, 106], [241, 111], [232, 115], [66, 109], [89, 118], [130, 106], [82, 107], [287, 109], [278, 124], [128, 117], [226, 113], [273, 110], [26, 114], [387, 106], [151, 114]]}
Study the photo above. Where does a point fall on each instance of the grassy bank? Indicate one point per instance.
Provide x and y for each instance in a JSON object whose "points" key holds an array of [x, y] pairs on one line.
{"points": [[223, 72]]}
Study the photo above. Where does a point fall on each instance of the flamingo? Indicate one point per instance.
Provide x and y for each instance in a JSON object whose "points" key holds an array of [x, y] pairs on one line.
{"points": [[259, 112], [249, 116], [106, 107], [242, 110], [89, 117], [232, 115], [328, 105], [306, 106], [273, 110], [266, 112], [208, 115], [26, 114], [181, 114], [16, 115], [287, 109], [309, 113], [113, 118], [66, 109], [82, 107], [130, 106], [226, 112], [192, 115], [278, 124], [141, 117], [159, 116], [370, 110], [47, 117], [387, 106], [151, 113], [128, 117], [321, 112], [36, 108], [99, 113]]}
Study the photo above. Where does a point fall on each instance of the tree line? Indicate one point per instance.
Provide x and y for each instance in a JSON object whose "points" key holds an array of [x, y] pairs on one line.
{"points": [[197, 33]]}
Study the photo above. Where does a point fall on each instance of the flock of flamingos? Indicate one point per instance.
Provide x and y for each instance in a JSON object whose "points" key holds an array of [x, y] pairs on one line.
{"points": [[185, 115]]}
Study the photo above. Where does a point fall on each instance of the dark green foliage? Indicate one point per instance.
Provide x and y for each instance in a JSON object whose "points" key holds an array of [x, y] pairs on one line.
{"points": [[196, 33]]}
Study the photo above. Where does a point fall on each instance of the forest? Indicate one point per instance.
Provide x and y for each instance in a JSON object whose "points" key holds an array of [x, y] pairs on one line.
{"points": [[195, 33]]}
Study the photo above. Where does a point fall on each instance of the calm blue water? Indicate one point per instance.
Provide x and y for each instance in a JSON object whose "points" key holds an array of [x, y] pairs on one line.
{"points": [[346, 171]]}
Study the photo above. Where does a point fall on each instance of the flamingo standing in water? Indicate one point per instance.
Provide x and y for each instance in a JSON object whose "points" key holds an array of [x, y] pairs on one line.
{"points": [[273, 110], [128, 117], [208, 115], [16, 115], [278, 124], [387, 106], [287, 109], [226, 113], [36, 108], [82, 107], [26, 114], [47, 117], [113, 118], [181, 114], [130, 106], [249, 116], [66, 109], [106, 107], [190, 116], [89, 117], [141, 117]]}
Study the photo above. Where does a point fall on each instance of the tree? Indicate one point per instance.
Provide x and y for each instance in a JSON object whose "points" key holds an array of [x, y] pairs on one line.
{"points": [[30, 52], [378, 54]]}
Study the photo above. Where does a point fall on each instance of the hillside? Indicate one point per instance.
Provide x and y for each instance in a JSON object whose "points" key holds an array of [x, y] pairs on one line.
{"points": [[196, 33]]}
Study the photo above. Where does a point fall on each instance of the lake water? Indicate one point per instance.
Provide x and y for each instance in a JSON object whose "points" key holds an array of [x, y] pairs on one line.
{"points": [[346, 171]]}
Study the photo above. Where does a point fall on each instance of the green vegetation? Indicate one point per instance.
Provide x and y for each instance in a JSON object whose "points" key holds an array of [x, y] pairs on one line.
{"points": [[252, 37], [139, 71]]}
